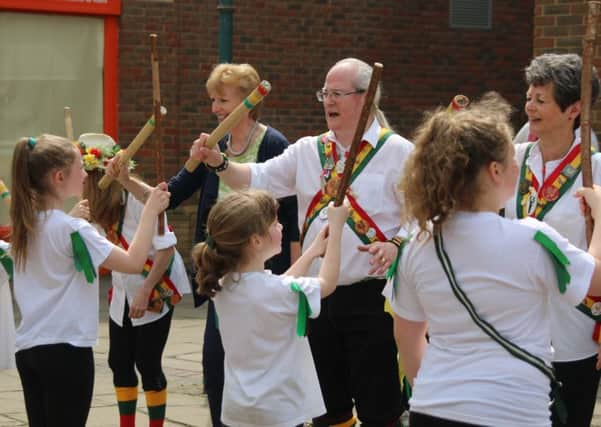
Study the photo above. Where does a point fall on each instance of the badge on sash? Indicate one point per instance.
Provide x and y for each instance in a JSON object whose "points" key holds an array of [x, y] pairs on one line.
{"points": [[524, 187], [323, 214], [569, 171], [596, 308], [340, 166], [531, 201], [550, 193]]}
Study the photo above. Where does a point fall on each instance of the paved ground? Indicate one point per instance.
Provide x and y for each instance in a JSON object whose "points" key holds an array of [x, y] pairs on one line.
{"points": [[187, 406]]}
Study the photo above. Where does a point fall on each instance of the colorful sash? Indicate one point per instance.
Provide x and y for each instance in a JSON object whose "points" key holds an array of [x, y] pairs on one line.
{"points": [[165, 291], [332, 169], [534, 200]]}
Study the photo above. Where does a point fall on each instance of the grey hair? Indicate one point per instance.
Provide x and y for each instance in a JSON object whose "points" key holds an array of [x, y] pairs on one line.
{"points": [[564, 71], [362, 78]]}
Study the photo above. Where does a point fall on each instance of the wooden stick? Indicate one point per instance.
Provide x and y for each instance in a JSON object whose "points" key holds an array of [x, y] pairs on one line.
{"points": [[133, 147], [359, 131], [459, 102], [69, 124], [158, 129], [594, 8], [232, 119]]}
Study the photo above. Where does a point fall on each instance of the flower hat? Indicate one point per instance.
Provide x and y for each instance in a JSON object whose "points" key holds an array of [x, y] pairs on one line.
{"points": [[97, 149]]}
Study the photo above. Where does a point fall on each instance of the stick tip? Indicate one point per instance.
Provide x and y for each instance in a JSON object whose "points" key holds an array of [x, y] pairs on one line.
{"points": [[264, 87], [378, 65]]}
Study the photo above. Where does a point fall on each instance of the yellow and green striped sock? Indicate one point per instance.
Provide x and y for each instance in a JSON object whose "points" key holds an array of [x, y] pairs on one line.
{"points": [[127, 398], [157, 404]]}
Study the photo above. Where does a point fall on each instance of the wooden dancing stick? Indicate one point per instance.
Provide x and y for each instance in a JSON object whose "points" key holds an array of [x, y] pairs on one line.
{"points": [[360, 129], [232, 119], [158, 129], [588, 48], [459, 102], [133, 147], [69, 124]]}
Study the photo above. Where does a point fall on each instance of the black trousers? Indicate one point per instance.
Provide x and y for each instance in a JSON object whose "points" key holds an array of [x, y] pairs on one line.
{"points": [[356, 357], [213, 356], [421, 420], [58, 382], [580, 381], [138, 347]]}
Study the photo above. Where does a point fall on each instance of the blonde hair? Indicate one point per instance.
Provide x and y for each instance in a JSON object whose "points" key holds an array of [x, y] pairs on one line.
{"points": [[231, 224], [451, 148], [241, 76], [33, 161], [105, 205]]}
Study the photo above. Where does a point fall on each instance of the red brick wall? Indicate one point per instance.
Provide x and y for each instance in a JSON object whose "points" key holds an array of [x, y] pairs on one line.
{"points": [[293, 42], [559, 27]]}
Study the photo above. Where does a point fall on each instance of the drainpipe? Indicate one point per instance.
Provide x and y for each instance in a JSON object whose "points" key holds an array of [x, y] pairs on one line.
{"points": [[226, 21]]}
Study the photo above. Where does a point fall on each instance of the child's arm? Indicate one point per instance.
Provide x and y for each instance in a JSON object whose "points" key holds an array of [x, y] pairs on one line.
{"points": [[160, 263], [317, 248], [132, 260], [330, 267], [139, 189]]}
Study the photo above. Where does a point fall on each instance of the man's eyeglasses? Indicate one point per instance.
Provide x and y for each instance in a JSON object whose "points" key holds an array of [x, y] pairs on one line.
{"points": [[322, 94]]}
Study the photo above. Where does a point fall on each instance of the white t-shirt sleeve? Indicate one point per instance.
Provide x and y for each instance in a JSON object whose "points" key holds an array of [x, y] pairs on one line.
{"points": [[404, 299], [168, 239], [581, 266], [98, 246], [312, 290]]}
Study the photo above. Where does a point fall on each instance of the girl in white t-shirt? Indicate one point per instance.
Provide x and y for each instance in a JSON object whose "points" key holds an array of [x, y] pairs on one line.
{"points": [[141, 304], [56, 260], [459, 176], [270, 378]]}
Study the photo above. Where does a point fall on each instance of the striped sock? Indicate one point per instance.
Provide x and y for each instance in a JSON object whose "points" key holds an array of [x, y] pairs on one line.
{"points": [[157, 403], [126, 399], [348, 423]]}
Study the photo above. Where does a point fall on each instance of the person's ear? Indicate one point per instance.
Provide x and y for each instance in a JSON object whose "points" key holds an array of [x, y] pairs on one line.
{"points": [[574, 110], [495, 170]]}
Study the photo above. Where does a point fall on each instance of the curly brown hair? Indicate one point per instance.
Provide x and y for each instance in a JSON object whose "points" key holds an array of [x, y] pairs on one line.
{"points": [[451, 148], [230, 225]]}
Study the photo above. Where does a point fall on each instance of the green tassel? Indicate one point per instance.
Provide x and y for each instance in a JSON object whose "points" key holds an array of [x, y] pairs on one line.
{"points": [[560, 261], [7, 263], [304, 310], [81, 255], [391, 273]]}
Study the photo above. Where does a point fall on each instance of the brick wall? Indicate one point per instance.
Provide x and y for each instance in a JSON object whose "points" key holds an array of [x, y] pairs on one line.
{"points": [[559, 27], [292, 43]]}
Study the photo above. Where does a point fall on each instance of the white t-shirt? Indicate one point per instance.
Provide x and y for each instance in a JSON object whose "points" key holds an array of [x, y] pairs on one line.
{"points": [[509, 278], [57, 304], [571, 330], [270, 377], [7, 320], [128, 284]]}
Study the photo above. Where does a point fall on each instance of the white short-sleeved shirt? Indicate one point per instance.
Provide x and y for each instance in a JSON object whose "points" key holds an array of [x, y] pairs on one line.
{"points": [[270, 377], [7, 320], [297, 171], [127, 285], [571, 330], [57, 304], [509, 278]]}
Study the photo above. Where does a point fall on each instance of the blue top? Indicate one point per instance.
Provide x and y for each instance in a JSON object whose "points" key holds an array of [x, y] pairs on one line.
{"points": [[185, 184]]}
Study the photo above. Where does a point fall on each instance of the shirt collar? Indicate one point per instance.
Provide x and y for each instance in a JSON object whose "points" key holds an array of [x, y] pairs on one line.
{"points": [[371, 135], [537, 156]]}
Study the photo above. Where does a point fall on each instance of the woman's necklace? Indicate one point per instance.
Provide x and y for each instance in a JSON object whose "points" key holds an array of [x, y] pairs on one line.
{"points": [[228, 143]]}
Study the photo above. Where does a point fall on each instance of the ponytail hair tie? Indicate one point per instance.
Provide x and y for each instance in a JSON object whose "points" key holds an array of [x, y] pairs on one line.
{"points": [[31, 142], [210, 242]]}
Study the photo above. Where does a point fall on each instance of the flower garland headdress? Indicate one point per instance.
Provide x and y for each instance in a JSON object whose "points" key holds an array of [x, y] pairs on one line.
{"points": [[97, 149]]}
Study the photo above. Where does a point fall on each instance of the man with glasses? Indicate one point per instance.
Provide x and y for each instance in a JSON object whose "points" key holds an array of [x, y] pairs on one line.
{"points": [[352, 339]]}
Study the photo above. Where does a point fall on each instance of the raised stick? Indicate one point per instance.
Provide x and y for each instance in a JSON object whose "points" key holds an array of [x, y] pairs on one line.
{"points": [[232, 119], [158, 129], [133, 147], [588, 48], [353, 151], [459, 102], [69, 124]]}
